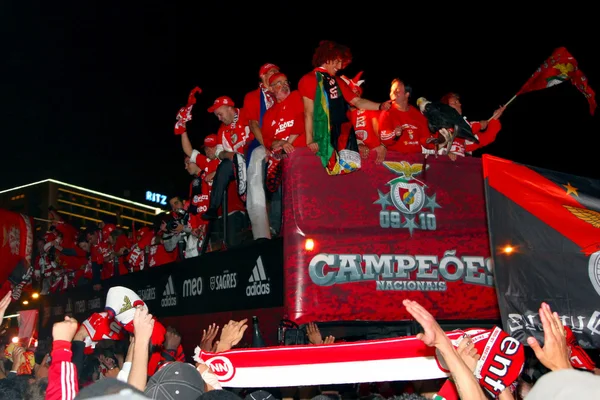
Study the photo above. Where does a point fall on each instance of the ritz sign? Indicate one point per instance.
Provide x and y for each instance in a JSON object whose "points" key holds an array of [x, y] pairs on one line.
{"points": [[156, 198]]}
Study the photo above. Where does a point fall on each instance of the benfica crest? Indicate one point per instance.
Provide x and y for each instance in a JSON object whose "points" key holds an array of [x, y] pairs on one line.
{"points": [[414, 208]]}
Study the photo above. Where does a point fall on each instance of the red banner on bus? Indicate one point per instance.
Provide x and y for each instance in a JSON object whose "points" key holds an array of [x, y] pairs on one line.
{"points": [[356, 245]]}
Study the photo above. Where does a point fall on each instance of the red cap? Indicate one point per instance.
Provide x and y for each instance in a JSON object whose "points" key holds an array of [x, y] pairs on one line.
{"points": [[275, 76], [265, 68], [221, 101], [210, 140]]}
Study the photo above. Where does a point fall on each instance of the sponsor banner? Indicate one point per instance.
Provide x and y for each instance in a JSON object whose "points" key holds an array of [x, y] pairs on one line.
{"points": [[245, 278], [406, 228], [544, 229]]}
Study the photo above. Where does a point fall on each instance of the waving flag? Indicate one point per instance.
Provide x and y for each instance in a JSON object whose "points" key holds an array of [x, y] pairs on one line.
{"points": [[16, 246], [559, 68], [185, 113], [544, 231]]}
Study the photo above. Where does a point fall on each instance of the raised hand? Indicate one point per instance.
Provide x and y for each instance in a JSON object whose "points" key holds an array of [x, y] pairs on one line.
{"points": [[433, 334], [208, 336], [555, 353]]}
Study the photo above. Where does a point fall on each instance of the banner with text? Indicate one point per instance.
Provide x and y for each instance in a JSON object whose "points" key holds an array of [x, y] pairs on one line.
{"points": [[406, 228], [245, 278]]}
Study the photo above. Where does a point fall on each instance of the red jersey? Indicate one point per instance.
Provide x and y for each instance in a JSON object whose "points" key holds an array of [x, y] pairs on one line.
{"points": [[365, 123], [415, 130], [308, 87], [236, 136], [285, 119]]}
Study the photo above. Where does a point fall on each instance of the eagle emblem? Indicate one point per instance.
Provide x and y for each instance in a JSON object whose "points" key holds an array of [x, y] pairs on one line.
{"points": [[590, 216], [414, 209], [564, 69], [406, 191], [126, 305], [593, 218], [404, 169]]}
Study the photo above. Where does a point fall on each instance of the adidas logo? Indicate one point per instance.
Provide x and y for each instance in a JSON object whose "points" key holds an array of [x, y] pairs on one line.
{"points": [[258, 284], [169, 296]]}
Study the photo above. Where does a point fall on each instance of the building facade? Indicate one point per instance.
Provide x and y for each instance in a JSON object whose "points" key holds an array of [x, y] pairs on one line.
{"points": [[79, 205]]}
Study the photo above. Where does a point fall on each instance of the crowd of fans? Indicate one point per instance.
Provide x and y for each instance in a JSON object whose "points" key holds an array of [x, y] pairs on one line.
{"points": [[242, 164]]}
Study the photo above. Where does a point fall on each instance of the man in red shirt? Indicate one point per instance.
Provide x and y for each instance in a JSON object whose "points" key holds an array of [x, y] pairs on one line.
{"points": [[233, 139], [283, 127], [203, 168], [256, 103], [324, 116], [403, 128]]}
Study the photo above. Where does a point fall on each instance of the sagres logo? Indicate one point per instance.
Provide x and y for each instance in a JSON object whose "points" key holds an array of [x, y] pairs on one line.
{"points": [[169, 295], [414, 208], [258, 284], [222, 367]]}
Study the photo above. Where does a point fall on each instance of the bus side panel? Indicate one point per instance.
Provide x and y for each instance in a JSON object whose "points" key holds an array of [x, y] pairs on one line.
{"points": [[407, 228]]}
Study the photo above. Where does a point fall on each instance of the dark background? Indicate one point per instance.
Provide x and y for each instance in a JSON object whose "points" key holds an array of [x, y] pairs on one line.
{"points": [[90, 90]]}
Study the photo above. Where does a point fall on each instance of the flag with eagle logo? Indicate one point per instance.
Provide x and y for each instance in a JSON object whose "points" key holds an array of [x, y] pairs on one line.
{"points": [[544, 229], [560, 67]]}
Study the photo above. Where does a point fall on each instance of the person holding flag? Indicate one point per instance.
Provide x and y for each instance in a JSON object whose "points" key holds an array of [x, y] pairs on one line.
{"points": [[325, 96]]}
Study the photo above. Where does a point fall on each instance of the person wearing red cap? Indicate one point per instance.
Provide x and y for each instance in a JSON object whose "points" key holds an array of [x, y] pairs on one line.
{"points": [[203, 168], [233, 139], [258, 101], [256, 104], [325, 96]]}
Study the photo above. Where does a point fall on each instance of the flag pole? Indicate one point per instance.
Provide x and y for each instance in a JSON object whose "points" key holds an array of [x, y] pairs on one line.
{"points": [[507, 103]]}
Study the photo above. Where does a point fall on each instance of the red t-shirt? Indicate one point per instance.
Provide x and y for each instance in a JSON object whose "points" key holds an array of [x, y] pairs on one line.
{"points": [[285, 119], [414, 134]]}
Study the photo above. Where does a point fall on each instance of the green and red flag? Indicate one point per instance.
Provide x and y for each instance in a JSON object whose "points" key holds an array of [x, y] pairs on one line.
{"points": [[559, 68], [335, 162]]}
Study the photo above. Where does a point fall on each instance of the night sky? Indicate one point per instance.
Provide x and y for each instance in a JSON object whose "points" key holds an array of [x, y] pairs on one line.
{"points": [[90, 91]]}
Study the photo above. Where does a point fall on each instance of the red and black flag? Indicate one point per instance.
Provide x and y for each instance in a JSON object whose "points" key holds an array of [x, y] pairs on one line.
{"points": [[560, 67], [544, 229]]}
